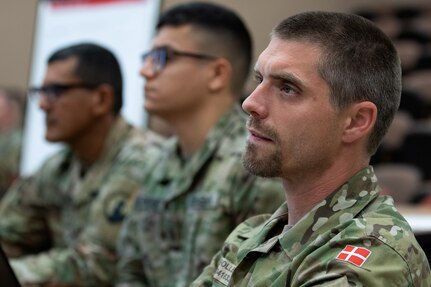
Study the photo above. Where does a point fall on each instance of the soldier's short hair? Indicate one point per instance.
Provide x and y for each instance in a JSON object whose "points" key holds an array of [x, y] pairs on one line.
{"points": [[358, 62], [96, 65], [220, 31]]}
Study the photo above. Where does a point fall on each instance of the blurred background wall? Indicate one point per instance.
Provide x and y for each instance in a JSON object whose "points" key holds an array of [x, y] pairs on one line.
{"points": [[17, 18]]}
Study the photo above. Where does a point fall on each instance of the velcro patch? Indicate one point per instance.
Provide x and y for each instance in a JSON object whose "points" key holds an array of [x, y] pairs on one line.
{"points": [[224, 271], [114, 207], [355, 255]]}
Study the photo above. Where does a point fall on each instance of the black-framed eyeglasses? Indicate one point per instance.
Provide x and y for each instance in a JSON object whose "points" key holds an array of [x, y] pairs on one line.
{"points": [[54, 91], [160, 56]]}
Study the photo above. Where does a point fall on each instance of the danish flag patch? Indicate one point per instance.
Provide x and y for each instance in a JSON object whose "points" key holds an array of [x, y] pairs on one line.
{"points": [[355, 255]]}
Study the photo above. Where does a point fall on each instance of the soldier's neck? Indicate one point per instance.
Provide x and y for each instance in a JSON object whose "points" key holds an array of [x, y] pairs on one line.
{"points": [[89, 147]]}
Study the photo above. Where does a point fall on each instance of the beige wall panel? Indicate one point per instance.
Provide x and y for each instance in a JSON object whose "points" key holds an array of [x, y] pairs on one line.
{"points": [[16, 33], [262, 15], [17, 18]]}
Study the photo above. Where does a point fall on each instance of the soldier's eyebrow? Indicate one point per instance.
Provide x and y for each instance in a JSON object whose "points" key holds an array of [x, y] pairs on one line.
{"points": [[288, 78], [284, 77]]}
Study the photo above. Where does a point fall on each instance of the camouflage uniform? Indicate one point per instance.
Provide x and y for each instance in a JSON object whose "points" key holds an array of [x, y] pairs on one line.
{"points": [[352, 238], [189, 207], [10, 151], [71, 217]]}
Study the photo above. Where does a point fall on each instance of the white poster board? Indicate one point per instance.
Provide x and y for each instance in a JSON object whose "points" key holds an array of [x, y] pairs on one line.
{"points": [[126, 27]]}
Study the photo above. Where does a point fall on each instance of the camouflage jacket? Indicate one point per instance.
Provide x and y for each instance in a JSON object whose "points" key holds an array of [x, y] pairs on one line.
{"points": [[10, 151], [62, 223], [352, 238], [187, 209]]}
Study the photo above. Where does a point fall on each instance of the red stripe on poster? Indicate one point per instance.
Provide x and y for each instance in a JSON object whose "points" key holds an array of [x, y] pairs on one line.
{"points": [[58, 4]]}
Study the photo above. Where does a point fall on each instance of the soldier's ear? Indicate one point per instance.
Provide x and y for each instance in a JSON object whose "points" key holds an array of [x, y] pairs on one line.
{"points": [[219, 75], [360, 121], [103, 102]]}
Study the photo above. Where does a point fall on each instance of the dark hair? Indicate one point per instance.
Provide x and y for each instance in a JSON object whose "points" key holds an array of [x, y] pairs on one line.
{"points": [[358, 62], [96, 65], [226, 35]]}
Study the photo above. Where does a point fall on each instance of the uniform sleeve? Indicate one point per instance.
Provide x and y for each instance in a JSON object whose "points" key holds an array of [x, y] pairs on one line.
{"points": [[383, 266], [23, 226], [10, 150], [206, 277], [337, 282], [89, 260], [92, 258], [130, 267]]}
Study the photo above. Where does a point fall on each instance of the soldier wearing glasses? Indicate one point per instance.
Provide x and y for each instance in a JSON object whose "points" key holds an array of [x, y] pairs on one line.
{"points": [[61, 224], [199, 190]]}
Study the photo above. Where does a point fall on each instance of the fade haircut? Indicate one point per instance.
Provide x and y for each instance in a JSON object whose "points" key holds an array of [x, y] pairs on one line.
{"points": [[96, 65], [358, 62], [224, 35]]}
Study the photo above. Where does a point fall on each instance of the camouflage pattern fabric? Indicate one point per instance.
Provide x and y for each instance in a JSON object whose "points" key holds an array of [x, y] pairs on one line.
{"points": [[63, 222], [10, 151], [188, 207], [352, 238]]}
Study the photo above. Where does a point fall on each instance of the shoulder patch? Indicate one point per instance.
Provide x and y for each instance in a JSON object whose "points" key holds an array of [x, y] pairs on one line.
{"points": [[114, 208], [355, 255]]}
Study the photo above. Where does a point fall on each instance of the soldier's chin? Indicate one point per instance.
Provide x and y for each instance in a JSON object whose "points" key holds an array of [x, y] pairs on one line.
{"points": [[259, 164], [251, 163]]}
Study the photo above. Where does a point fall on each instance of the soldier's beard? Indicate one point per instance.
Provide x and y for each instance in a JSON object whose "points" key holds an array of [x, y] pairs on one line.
{"points": [[263, 162]]}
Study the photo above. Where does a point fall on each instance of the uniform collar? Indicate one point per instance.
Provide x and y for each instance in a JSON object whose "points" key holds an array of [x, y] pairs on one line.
{"points": [[335, 211]]}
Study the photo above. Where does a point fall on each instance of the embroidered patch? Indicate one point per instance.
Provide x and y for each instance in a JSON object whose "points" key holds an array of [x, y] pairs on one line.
{"points": [[355, 255], [224, 271], [114, 207]]}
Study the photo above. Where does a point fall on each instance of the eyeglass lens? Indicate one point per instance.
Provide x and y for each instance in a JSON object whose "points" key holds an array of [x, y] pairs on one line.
{"points": [[54, 91], [158, 58], [51, 92]]}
